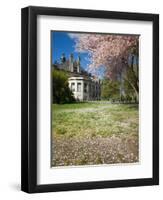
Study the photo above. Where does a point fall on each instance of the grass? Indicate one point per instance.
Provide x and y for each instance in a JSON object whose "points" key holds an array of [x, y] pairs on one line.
{"points": [[94, 133], [92, 119]]}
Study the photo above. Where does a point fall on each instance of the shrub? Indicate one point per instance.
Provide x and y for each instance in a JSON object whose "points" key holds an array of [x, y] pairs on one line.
{"points": [[61, 91]]}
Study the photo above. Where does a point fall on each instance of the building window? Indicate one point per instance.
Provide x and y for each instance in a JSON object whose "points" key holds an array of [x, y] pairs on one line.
{"points": [[85, 87], [75, 69], [79, 87], [73, 87]]}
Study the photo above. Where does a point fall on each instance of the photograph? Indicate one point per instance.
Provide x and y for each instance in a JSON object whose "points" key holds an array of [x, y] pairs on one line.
{"points": [[89, 99], [95, 98]]}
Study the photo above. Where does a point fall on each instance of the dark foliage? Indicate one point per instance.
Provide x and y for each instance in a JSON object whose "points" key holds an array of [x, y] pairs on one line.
{"points": [[61, 92]]}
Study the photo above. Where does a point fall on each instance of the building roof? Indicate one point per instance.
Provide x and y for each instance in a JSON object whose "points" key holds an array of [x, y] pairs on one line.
{"points": [[65, 65]]}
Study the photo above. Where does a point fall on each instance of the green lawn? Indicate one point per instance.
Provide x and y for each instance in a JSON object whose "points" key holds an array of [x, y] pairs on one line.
{"points": [[94, 133], [93, 119]]}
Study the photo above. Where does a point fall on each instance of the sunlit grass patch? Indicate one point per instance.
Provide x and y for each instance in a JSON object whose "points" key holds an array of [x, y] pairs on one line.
{"points": [[94, 119]]}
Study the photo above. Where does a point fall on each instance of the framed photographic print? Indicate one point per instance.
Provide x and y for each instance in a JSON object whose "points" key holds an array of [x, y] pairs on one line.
{"points": [[90, 99]]}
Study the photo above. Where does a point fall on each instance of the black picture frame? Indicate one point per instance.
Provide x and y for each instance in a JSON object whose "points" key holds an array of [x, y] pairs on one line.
{"points": [[29, 99]]}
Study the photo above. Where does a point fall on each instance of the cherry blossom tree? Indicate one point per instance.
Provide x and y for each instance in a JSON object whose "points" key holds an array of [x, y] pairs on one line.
{"points": [[112, 52]]}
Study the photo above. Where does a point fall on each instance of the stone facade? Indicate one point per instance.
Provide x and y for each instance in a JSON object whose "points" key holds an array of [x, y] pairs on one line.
{"points": [[84, 86]]}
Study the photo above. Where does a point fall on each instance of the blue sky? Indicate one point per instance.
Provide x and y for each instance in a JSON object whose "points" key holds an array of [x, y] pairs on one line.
{"points": [[63, 43]]}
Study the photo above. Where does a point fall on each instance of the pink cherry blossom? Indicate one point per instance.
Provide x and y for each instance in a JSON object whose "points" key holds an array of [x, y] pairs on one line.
{"points": [[106, 50]]}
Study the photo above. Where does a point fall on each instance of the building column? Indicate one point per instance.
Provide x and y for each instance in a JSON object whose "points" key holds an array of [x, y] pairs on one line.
{"points": [[82, 89], [76, 86]]}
